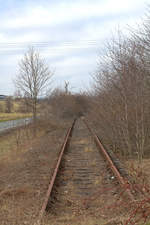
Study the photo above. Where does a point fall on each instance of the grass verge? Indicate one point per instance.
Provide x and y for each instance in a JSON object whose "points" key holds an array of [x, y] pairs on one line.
{"points": [[13, 116]]}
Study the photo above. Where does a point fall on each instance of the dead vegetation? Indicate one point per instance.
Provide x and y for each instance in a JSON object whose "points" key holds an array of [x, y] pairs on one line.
{"points": [[120, 108], [26, 164], [120, 99]]}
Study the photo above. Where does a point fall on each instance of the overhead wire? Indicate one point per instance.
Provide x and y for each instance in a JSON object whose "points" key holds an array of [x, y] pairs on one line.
{"points": [[54, 45], [43, 43]]}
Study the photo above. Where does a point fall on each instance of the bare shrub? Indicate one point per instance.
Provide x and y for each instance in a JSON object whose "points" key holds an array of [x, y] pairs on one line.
{"points": [[121, 95]]}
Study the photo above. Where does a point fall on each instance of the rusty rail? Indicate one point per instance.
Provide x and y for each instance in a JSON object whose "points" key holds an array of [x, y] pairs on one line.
{"points": [[123, 182], [52, 181]]}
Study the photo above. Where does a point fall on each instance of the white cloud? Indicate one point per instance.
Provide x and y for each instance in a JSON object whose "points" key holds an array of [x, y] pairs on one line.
{"points": [[81, 21], [73, 11]]}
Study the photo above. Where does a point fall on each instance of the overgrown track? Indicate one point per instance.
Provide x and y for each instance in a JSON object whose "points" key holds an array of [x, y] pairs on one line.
{"points": [[79, 173], [114, 164], [51, 184]]}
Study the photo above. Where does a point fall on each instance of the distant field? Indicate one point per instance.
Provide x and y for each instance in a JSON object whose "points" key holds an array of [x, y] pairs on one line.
{"points": [[14, 107], [13, 116]]}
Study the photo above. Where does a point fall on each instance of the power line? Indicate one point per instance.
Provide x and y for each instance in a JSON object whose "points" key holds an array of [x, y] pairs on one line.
{"points": [[42, 44], [11, 48], [50, 42]]}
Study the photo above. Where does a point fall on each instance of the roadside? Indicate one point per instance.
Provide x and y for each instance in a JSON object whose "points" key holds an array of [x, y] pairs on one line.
{"points": [[13, 116], [26, 164]]}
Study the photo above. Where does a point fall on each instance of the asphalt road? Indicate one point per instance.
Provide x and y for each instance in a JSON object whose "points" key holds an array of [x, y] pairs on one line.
{"points": [[13, 123]]}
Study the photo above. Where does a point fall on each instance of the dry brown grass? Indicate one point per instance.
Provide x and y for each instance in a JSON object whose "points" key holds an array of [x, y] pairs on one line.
{"points": [[18, 140], [82, 219], [26, 163], [25, 170], [140, 172], [74, 220], [16, 191]]}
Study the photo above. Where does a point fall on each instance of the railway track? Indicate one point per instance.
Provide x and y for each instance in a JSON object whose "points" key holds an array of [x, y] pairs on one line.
{"points": [[83, 167]]}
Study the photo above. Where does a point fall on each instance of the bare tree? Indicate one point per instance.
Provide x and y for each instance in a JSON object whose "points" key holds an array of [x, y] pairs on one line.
{"points": [[33, 79], [122, 97]]}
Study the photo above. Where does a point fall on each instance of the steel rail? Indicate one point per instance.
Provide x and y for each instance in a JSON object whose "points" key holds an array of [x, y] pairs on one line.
{"points": [[123, 182], [53, 178]]}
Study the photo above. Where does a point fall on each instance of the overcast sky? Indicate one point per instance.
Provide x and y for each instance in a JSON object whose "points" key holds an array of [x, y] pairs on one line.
{"points": [[68, 34]]}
